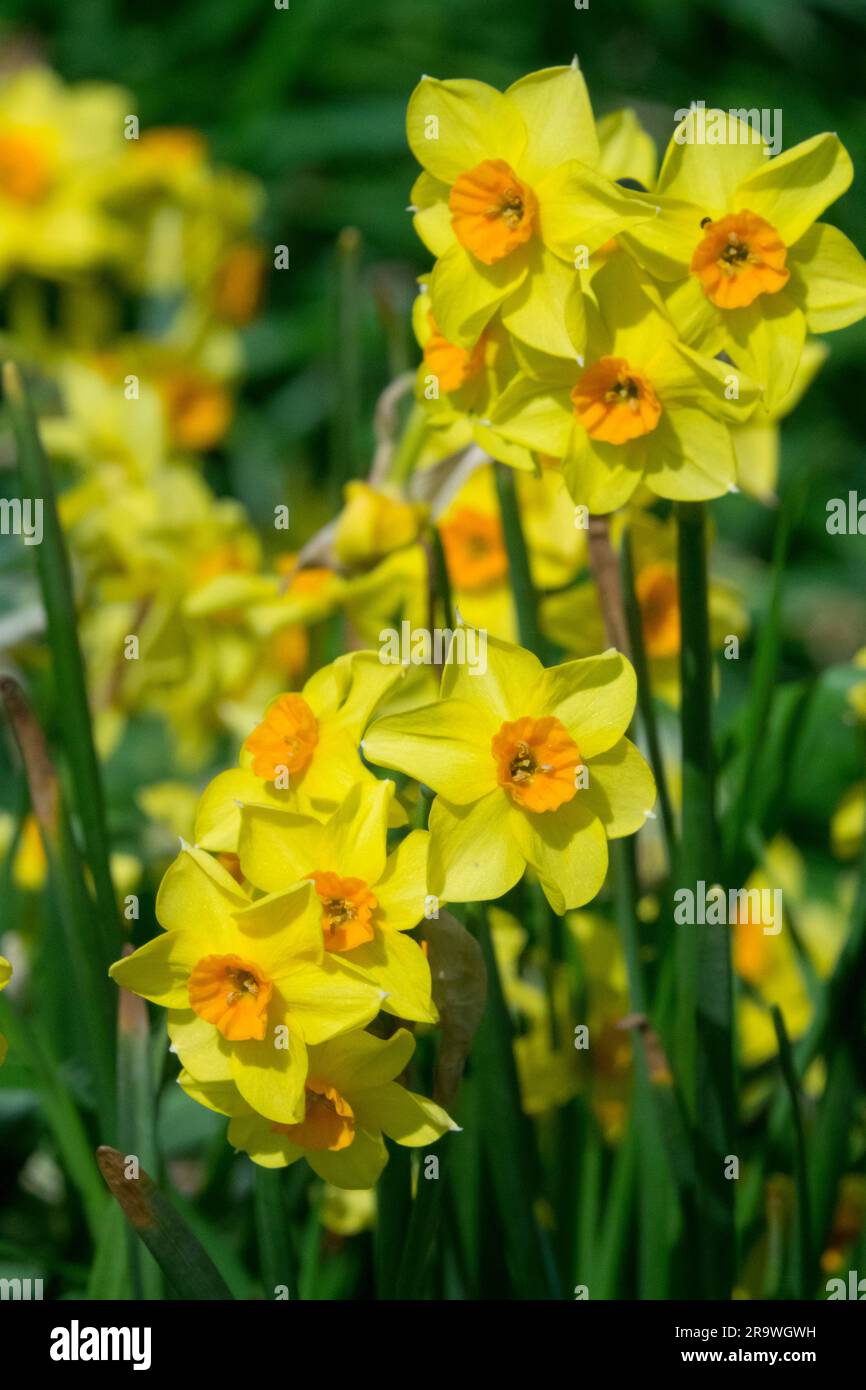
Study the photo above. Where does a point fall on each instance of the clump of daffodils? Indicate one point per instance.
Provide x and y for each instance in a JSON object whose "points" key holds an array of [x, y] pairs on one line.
{"points": [[289, 928]]}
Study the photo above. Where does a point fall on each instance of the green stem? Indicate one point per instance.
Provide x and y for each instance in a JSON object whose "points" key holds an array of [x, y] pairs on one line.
{"points": [[803, 1261], [525, 599], [704, 1032], [645, 698]]}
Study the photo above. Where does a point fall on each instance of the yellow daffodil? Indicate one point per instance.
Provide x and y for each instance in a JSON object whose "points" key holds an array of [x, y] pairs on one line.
{"points": [[458, 385], [531, 766], [304, 755], [748, 265], [57, 145], [644, 409], [625, 150], [369, 899], [243, 1001], [5, 977], [373, 523], [351, 1100], [344, 1212], [767, 960], [477, 562], [573, 617], [508, 199]]}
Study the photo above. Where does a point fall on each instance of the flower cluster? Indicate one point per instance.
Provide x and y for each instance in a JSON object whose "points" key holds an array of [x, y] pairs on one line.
{"points": [[634, 328]]}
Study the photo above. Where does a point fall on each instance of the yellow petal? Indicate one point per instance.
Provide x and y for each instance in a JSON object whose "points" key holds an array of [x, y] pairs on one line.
{"points": [[398, 967], [446, 746], [354, 843], [432, 220], [357, 1061], [708, 174], [160, 970], [278, 847], [358, 1166], [465, 294], [578, 209], [200, 1046], [271, 1079], [255, 1136], [690, 456], [830, 275], [621, 789], [472, 855], [401, 892], [568, 850], [535, 312], [405, 1117], [502, 691], [217, 822], [792, 190], [537, 414], [600, 476], [280, 930], [626, 150], [199, 897], [766, 338], [594, 698], [555, 107], [327, 999], [220, 1096], [452, 126]]}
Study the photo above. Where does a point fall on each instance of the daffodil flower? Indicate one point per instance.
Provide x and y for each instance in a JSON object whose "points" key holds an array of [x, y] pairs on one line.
{"points": [[531, 766], [351, 1100], [243, 1001], [748, 265], [368, 899], [508, 199], [5, 977], [643, 409], [304, 753]]}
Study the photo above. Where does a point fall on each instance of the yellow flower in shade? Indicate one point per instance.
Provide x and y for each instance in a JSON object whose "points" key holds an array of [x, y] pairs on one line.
{"points": [[477, 561], [345, 1212], [507, 199], [756, 442], [5, 977], [748, 266], [373, 523], [626, 151], [767, 960], [573, 617], [531, 766], [457, 386], [544, 1051], [369, 900], [304, 755], [351, 1100], [245, 1002], [643, 409]]}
